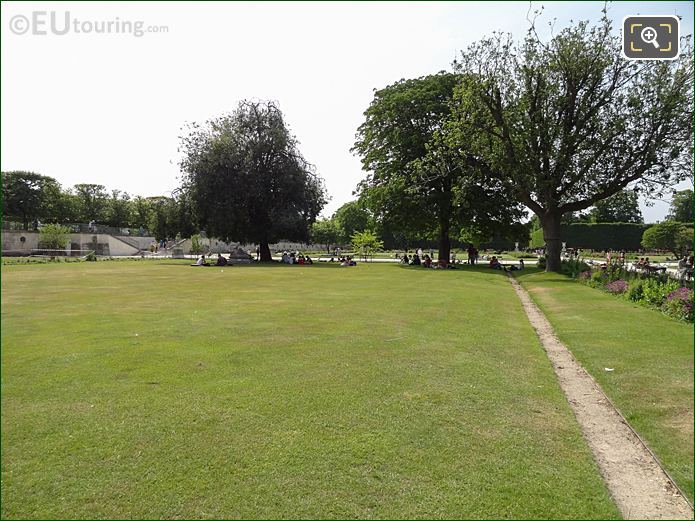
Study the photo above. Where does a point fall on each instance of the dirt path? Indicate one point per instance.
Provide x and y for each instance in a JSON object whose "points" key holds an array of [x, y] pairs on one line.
{"points": [[639, 486]]}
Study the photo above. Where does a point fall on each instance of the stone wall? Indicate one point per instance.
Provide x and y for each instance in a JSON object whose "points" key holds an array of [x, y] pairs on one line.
{"points": [[102, 244]]}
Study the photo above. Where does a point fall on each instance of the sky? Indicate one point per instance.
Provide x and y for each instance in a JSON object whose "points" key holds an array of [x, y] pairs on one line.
{"points": [[106, 101]]}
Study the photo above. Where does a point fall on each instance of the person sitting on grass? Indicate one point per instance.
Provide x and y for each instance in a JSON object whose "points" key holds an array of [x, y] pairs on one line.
{"points": [[442, 264], [221, 260], [307, 260], [416, 260], [344, 262], [495, 264], [201, 262], [427, 262]]}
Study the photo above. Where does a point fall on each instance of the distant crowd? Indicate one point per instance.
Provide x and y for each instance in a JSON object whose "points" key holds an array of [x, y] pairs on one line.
{"points": [[291, 258], [419, 258], [295, 258]]}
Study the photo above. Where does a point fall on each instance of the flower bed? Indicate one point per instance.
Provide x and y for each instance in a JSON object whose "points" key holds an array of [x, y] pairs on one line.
{"points": [[654, 291]]}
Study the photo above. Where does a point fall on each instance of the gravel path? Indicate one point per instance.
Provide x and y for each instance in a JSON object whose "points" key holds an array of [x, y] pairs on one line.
{"points": [[640, 487]]}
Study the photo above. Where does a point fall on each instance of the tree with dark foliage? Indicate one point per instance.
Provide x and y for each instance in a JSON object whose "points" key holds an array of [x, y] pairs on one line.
{"points": [[247, 180], [28, 195]]}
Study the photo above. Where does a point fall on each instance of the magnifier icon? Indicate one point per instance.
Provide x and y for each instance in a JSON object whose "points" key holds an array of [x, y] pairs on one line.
{"points": [[648, 35]]}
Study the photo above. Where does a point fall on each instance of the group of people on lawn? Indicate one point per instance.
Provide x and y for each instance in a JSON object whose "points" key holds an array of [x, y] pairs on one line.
{"points": [[426, 261], [287, 258], [221, 261], [495, 264], [295, 258]]}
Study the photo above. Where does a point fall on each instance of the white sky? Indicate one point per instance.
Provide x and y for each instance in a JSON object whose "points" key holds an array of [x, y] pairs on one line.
{"points": [[108, 108]]}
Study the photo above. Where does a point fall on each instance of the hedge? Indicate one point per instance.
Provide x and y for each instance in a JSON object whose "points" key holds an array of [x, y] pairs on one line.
{"points": [[597, 236]]}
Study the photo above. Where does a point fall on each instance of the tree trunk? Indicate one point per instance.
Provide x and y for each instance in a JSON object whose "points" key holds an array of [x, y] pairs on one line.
{"points": [[553, 245], [444, 243], [265, 252]]}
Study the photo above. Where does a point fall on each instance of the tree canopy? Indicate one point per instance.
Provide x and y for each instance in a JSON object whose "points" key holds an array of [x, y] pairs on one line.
{"points": [[247, 180], [669, 235], [27, 196], [622, 207], [92, 202], [569, 122], [325, 232], [54, 237], [353, 217], [681, 208], [366, 243], [418, 182]]}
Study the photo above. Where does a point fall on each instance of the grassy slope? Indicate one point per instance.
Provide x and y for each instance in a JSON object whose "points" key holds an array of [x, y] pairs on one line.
{"points": [[159, 390], [652, 358]]}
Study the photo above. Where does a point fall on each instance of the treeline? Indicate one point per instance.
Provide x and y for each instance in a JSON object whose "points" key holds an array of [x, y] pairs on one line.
{"points": [[28, 196], [598, 236], [672, 236], [355, 217]]}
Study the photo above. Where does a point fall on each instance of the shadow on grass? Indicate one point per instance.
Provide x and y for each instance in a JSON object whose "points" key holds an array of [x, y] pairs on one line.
{"points": [[530, 273], [274, 264], [478, 269]]}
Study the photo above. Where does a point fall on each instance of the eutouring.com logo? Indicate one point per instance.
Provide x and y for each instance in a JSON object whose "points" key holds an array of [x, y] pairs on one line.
{"points": [[61, 23]]}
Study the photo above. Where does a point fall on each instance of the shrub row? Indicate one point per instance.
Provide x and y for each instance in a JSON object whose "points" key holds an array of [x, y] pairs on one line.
{"points": [[655, 291], [597, 236]]}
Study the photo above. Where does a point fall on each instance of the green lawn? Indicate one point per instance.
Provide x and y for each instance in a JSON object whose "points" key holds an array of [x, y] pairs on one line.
{"points": [[652, 358], [156, 390]]}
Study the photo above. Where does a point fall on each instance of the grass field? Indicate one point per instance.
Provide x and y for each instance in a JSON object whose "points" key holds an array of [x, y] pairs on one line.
{"points": [[651, 356], [156, 390]]}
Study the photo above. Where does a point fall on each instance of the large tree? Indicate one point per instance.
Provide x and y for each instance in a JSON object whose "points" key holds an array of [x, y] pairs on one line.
{"points": [[28, 195], [247, 179], [161, 217], [92, 202], [669, 235], [119, 211], [622, 207], [681, 209], [418, 183], [569, 122], [353, 217], [325, 232]]}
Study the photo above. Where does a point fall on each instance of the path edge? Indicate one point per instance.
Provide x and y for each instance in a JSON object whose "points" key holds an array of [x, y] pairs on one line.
{"points": [[642, 442]]}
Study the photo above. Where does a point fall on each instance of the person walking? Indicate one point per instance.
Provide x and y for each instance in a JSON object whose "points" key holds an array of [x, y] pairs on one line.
{"points": [[471, 254]]}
